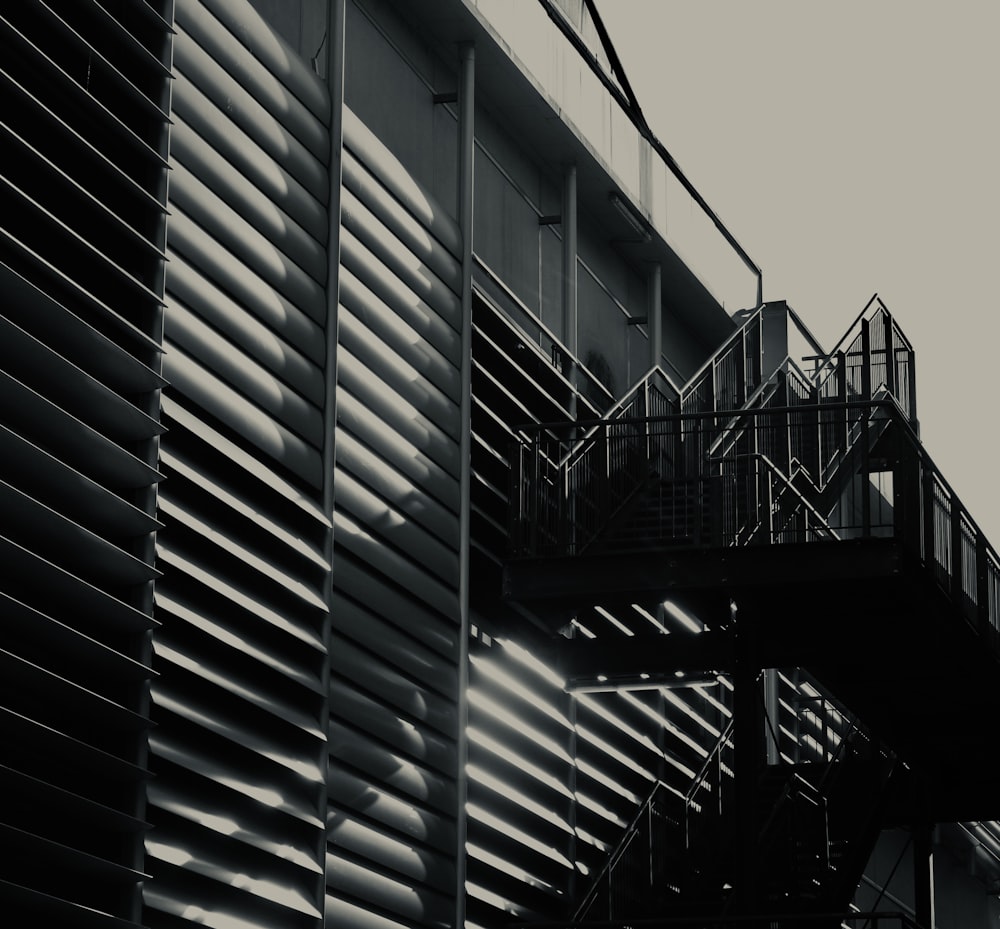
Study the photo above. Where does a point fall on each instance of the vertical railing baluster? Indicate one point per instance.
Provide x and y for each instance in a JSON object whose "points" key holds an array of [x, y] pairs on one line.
{"points": [[890, 354]]}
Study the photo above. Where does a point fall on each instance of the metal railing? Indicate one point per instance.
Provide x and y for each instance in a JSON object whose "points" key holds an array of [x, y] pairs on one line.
{"points": [[570, 481], [874, 354], [655, 851], [868, 477]]}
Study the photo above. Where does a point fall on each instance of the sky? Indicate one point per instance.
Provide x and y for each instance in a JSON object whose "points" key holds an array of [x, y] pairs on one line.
{"points": [[852, 148]]}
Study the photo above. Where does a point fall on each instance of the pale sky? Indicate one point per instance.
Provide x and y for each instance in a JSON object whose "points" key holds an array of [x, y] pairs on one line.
{"points": [[851, 147]]}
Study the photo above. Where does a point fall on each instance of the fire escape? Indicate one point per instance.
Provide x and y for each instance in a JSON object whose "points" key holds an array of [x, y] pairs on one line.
{"points": [[792, 508]]}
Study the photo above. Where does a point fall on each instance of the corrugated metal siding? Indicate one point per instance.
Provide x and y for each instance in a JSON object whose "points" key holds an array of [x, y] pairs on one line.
{"points": [[394, 717], [83, 133], [240, 744]]}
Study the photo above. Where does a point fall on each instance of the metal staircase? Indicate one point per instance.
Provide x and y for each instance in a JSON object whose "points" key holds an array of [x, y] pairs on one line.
{"points": [[800, 492], [817, 823]]}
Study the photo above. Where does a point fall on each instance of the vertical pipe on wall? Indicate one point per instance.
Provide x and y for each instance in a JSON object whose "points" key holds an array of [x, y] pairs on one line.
{"points": [[570, 309], [335, 31], [654, 312], [466, 152]]}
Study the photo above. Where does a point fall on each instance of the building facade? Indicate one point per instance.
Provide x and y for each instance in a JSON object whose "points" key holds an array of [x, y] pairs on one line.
{"points": [[334, 333]]}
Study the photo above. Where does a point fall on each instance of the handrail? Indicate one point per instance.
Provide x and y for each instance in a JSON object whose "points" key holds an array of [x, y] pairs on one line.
{"points": [[631, 830], [540, 326], [609, 414], [729, 343], [725, 737], [850, 329]]}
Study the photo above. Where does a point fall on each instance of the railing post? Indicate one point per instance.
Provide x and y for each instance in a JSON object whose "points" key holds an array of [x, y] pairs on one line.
{"points": [[982, 587], [890, 354], [957, 572], [841, 399], [534, 499], [906, 494], [930, 553], [866, 360], [866, 485]]}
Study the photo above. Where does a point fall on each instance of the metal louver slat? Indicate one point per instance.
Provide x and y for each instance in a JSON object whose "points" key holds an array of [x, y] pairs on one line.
{"points": [[290, 346], [392, 175], [46, 69], [404, 377], [256, 206], [86, 658], [38, 419], [261, 168], [255, 249], [83, 552], [237, 368], [71, 493], [71, 388], [228, 406], [196, 65], [256, 35], [223, 47], [410, 268], [124, 39], [26, 110], [399, 412], [43, 179], [55, 589], [124, 90], [363, 190], [66, 333], [81, 252], [394, 729], [239, 701]]}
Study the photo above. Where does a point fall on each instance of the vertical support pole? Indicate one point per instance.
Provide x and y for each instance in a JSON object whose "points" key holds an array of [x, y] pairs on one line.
{"points": [[982, 587], [866, 395], [466, 168], [923, 874], [571, 819], [912, 384], [772, 707], [570, 307], [335, 31], [747, 733], [654, 313]]}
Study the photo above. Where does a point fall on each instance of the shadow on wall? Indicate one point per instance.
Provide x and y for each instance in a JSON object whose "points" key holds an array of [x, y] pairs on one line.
{"points": [[598, 365], [301, 23]]}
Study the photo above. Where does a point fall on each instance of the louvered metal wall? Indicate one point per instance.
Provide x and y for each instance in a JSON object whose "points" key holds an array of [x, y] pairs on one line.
{"points": [[240, 744], [395, 647], [554, 779], [83, 136]]}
